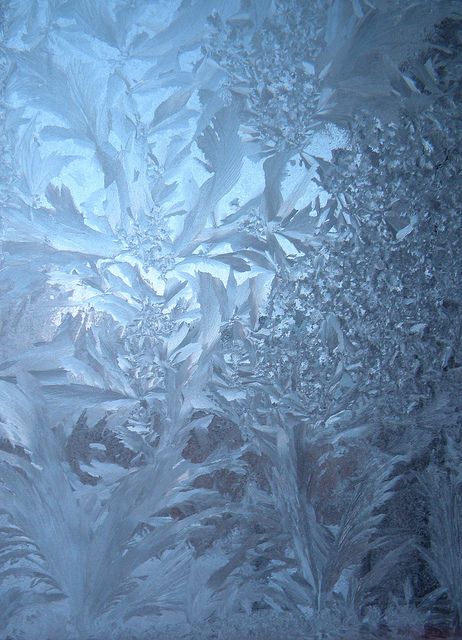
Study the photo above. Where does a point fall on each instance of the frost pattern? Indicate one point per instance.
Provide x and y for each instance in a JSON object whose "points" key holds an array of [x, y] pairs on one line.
{"points": [[230, 355]]}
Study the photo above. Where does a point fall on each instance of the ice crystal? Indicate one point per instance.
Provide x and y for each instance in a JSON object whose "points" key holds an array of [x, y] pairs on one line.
{"points": [[230, 320]]}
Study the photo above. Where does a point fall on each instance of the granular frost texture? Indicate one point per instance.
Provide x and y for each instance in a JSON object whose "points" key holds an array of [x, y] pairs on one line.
{"points": [[230, 319]]}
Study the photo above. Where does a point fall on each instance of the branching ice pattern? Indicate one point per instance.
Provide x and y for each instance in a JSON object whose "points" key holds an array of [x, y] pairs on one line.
{"points": [[230, 319]]}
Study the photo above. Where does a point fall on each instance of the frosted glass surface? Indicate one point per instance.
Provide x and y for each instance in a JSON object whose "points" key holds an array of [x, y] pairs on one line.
{"points": [[230, 319]]}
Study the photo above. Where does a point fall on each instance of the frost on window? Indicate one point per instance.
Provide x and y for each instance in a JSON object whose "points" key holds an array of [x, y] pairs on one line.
{"points": [[230, 319]]}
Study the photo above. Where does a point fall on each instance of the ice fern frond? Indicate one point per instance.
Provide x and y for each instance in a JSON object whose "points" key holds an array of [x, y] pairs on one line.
{"points": [[356, 533], [444, 554]]}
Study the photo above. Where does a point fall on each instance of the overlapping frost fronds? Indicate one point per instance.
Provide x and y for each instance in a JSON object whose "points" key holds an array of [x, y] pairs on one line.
{"points": [[230, 328]]}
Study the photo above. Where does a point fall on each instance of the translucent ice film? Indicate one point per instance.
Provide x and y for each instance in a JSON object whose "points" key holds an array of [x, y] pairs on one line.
{"points": [[230, 319]]}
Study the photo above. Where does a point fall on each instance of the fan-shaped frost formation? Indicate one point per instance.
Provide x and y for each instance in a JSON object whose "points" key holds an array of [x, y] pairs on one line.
{"points": [[230, 319]]}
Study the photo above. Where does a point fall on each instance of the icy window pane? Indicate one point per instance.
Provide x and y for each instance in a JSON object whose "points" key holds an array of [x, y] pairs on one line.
{"points": [[230, 319]]}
